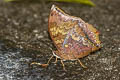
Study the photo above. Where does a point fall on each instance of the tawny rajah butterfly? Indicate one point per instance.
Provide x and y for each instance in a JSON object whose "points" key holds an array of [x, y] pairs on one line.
{"points": [[72, 37]]}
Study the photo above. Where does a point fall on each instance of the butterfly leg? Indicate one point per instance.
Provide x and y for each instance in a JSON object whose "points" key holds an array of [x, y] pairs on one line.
{"points": [[55, 60], [63, 65], [50, 59], [36, 63], [43, 65], [81, 64]]}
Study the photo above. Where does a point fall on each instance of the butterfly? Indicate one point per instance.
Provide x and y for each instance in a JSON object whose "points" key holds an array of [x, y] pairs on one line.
{"points": [[72, 37]]}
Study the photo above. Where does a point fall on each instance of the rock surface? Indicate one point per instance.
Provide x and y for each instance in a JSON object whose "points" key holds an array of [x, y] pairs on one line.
{"points": [[24, 39]]}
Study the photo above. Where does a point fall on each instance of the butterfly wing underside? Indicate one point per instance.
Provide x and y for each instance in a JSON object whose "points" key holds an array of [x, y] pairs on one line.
{"points": [[68, 35]]}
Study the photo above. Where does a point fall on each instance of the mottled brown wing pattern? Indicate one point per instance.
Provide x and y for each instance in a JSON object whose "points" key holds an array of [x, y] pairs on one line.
{"points": [[75, 44], [72, 36], [58, 27]]}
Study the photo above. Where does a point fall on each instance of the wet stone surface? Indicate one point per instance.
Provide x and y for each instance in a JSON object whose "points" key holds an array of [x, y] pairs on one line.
{"points": [[24, 39]]}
